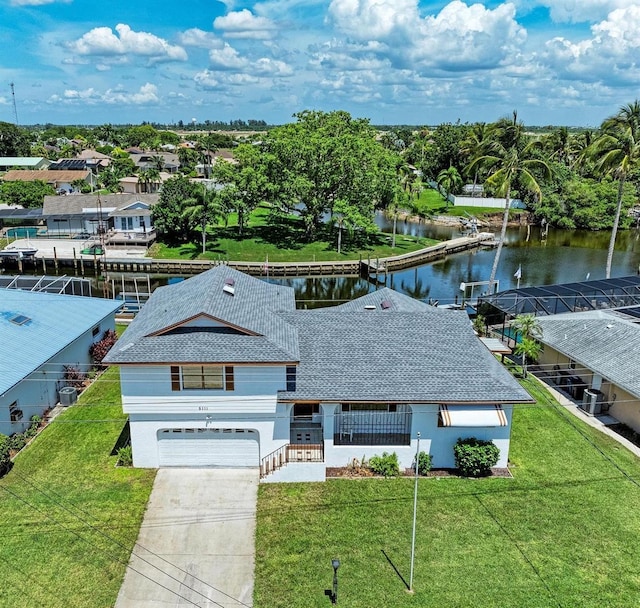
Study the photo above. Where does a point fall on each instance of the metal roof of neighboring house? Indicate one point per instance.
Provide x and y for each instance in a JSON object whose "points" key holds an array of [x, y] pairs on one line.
{"points": [[260, 334], [75, 203], [431, 356], [53, 322], [50, 177], [603, 341], [21, 161]]}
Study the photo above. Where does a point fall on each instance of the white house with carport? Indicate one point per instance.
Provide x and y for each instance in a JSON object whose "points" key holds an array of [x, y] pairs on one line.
{"points": [[40, 333], [595, 357], [222, 370]]}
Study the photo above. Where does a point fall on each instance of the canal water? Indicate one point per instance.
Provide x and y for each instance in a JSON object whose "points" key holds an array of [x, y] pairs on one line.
{"points": [[564, 256]]}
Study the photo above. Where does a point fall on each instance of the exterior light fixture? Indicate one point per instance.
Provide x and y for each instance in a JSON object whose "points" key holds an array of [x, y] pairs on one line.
{"points": [[333, 593]]}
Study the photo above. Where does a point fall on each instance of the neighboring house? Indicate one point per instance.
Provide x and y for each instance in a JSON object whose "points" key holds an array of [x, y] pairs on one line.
{"points": [[595, 357], [40, 333], [146, 160], [222, 370], [132, 184], [122, 216], [87, 159], [60, 180], [35, 163]]}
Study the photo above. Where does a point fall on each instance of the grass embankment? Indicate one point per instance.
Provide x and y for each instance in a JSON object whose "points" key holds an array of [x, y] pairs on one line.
{"points": [[283, 241], [564, 532], [68, 517]]}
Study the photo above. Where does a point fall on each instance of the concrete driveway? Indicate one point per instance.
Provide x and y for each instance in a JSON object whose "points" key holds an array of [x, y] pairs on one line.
{"points": [[196, 545]]}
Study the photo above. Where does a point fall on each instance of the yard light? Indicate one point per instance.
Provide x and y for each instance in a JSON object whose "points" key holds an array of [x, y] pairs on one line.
{"points": [[333, 593]]}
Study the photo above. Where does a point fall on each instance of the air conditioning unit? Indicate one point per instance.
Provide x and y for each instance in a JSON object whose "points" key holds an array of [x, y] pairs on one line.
{"points": [[68, 395], [592, 401]]}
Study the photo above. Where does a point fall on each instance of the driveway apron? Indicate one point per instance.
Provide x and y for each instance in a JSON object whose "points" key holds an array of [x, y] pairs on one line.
{"points": [[196, 545]]}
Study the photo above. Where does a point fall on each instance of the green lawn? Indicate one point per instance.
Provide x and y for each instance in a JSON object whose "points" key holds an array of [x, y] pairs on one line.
{"points": [[68, 517], [563, 533], [430, 203], [282, 242]]}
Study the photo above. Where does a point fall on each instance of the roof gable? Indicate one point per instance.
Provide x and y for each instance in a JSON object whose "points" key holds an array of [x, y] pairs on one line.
{"points": [[203, 322]]}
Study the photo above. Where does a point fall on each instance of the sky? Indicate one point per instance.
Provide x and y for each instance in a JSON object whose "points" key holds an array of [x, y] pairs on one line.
{"points": [[419, 62]]}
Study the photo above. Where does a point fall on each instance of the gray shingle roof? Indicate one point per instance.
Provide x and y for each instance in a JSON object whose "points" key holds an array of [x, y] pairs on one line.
{"points": [[75, 203], [432, 356], [252, 308], [602, 341], [396, 302]]}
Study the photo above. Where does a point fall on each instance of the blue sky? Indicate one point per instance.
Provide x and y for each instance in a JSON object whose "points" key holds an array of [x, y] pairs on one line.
{"points": [[564, 62]]}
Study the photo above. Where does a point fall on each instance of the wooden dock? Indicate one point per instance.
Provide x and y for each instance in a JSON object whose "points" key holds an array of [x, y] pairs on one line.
{"points": [[370, 268]]}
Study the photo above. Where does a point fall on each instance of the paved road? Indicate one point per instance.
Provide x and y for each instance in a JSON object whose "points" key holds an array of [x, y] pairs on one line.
{"points": [[199, 533]]}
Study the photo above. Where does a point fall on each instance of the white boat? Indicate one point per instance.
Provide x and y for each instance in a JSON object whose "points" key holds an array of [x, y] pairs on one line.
{"points": [[18, 253]]}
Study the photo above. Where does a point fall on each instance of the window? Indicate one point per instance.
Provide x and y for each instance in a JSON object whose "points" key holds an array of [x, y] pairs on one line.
{"points": [[15, 413], [202, 377], [305, 411], [95, 331], [291, 378]]}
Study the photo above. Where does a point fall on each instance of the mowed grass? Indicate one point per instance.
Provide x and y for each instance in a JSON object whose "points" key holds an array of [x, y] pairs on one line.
{"points": [[430, 203], [564, 532], [68, 516], [283, 241]]}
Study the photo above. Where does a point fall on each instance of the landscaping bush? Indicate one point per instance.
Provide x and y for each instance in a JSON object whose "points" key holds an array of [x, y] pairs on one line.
{"points": [[125, 456], [475, 457], [73, 376], [32, 431], [5, 458], [424, 463], [17, 442], [386, 465], [98, 350]]}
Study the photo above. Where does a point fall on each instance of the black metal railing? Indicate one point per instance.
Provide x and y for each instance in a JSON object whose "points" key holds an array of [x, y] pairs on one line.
{"points": [[274, 461], [372, 428]]}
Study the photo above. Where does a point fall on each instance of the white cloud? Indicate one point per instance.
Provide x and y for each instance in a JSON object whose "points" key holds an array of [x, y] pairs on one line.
{"points": [[199, 38], [226, 58], [271, 67], [207, 80], [610, 55], [373, 19], [147, 94], [244, 24], [578, 11], [36, 2], [102, 41]]}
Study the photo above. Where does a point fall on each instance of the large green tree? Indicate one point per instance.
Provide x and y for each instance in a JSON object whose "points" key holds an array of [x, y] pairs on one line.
{"points": [[171, 223], [617, 153], [202, 208], [13, 140], [26, 194], [325, 157]]}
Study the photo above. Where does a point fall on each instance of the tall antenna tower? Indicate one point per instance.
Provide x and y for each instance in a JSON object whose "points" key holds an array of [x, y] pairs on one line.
{"points": [[15, 108]]}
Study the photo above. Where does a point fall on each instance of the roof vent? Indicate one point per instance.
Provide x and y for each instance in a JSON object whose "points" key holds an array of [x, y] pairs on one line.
{"points": [[369, 307], [609, 326], [385, 304], [19, 319], [230, 289], [230, 281]]}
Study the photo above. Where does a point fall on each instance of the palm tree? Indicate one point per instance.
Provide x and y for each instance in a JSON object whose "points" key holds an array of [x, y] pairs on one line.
{"points": [[449, 181], [474, 146], [507, 160], [202, 207], [617, 152], [530, 331]]}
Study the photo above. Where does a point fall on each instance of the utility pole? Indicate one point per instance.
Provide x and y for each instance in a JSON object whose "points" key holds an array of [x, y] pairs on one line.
{"points": [[15, 108]]}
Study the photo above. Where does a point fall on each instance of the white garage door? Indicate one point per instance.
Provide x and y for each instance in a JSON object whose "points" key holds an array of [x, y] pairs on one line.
{"points": [[208, 448]]}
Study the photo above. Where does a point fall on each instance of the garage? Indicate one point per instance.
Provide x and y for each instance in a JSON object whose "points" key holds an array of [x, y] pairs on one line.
{"points": [[208, 448]]}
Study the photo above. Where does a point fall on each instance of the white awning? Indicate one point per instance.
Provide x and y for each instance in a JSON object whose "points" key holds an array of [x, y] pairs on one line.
{"points": [[472, 416]]}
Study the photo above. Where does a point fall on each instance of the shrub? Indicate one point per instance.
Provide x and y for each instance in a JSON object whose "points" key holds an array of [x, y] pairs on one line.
{"points": [[73, 376], [5, 457], [475, 457], [17, 441], [98, 350], [125, 456], [32, 431], [386, 465], [424, 463]]}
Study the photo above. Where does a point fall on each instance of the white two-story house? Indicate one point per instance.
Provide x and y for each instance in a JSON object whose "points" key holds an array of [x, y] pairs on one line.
{"points": [[222, 370]]}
